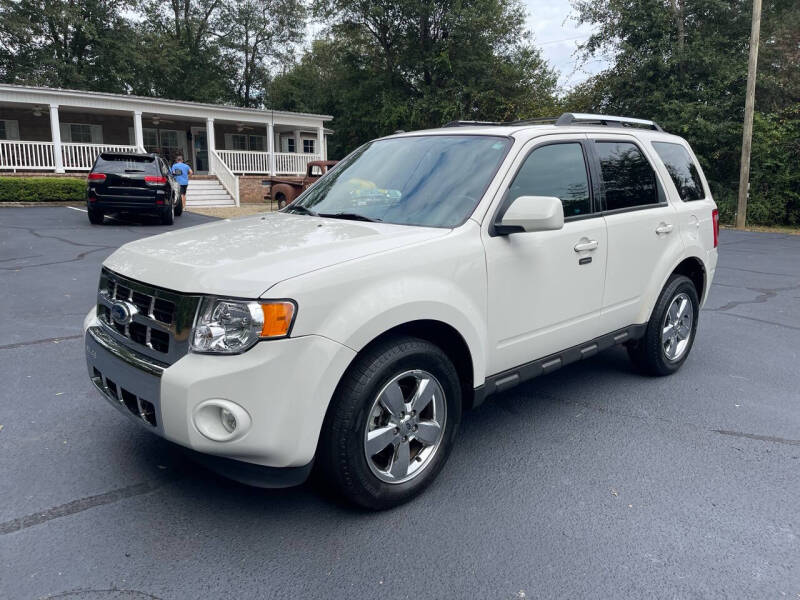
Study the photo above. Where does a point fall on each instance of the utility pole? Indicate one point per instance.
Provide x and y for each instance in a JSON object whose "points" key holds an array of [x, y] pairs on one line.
{"points": [[749, 106]]}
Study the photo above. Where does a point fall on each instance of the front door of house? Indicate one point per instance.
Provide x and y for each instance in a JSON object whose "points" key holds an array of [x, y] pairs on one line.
{"points": [[200, 150]]}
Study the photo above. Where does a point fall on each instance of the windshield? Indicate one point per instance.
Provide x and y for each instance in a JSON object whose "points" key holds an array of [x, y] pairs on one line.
{"points": [[432, 180]]}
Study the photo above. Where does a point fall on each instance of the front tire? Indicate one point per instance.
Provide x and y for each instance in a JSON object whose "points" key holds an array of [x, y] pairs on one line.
{"points": [[671, 330], [391, 424]]}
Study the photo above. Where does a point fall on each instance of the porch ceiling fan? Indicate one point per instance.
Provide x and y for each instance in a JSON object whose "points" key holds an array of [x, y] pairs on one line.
{"points": [[157, 119], [241, 127], [37, 110]]}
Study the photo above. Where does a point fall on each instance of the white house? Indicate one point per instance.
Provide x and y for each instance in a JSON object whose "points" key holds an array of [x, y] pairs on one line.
{"points": [[58, 130]]}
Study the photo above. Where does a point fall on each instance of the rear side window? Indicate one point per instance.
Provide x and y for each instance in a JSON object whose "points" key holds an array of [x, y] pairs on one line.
{"points": [[628, 179], [555, 170], [681, 169], [117, 163]]}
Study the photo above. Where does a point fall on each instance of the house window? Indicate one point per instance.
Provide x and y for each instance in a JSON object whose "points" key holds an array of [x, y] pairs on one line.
{"points": [[257, 143], [290, 145], [308, 146], [9, 130], [80, 133], [238, 141], [150, 139]]}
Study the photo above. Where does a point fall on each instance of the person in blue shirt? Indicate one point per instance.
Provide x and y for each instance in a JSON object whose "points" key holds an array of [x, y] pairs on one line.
{"points": [[181, 171]]}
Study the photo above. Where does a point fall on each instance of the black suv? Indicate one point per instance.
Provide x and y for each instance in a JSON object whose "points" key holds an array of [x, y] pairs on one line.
{"points": [[128, 182]]}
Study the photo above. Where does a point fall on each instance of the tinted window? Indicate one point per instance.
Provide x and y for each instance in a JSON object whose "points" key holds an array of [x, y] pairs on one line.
{"points": [[555, 170], [431, 180], [119, 163], [681, 169], [628, 179]]}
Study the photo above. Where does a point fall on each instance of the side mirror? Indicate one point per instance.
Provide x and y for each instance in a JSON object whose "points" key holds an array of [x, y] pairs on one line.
{"points": [[531, 213]]}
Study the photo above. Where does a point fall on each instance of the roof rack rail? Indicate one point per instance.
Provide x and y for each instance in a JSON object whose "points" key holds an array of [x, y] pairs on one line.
{"points": [[470, 123], [608, 120]]}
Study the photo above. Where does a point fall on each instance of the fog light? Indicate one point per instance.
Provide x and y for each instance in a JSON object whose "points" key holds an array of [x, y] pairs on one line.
{"points": [[228, 420], [221, 420]]}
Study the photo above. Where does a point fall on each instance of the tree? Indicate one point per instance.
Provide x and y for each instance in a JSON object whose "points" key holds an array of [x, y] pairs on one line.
{"points": [[412, 64], [60, 43], [684, 63], [256, 36]]}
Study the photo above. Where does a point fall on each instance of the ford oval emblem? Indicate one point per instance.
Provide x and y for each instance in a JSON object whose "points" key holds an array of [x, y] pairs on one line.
{"points": [[122, 312]]}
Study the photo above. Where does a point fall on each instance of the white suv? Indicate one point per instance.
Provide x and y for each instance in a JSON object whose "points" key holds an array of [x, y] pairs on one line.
{"points": [[426, 271]]}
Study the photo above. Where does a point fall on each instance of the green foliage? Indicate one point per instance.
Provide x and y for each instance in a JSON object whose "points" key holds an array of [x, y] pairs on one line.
{"points": [[42, 189], [684, 64], [415, 64]]}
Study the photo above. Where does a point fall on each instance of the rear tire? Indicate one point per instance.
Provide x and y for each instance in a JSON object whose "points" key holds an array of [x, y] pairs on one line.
{"points": [[96, 217], [671, 330], [404, 396], [178, 207], [168, 216]]}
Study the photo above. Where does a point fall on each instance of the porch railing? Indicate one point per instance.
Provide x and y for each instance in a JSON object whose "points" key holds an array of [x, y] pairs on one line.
{"points": [[226, 177], [80, 157], [26, 155], [242, 161], [292, 163]]}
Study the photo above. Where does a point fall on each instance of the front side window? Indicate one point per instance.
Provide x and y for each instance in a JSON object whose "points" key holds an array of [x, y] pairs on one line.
{"points": [[628, 179], [555, 170], [290, 145], [150, 139], [308, 146], [428, 180], [239, 141], [681, 169]]}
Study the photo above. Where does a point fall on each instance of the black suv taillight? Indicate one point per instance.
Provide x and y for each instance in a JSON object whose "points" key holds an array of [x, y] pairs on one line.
{"points": [[96, 177], [155, 179]]}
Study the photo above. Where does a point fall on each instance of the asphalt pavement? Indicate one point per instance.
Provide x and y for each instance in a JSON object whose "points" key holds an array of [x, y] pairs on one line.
{"points": [[593, 482]]}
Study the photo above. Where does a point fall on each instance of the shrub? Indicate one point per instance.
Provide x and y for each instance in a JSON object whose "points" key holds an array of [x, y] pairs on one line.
{"points": [[42, 189]]}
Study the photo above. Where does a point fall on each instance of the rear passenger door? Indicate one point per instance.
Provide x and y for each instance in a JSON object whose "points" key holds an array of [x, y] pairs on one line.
{"points": [[643, 232]]}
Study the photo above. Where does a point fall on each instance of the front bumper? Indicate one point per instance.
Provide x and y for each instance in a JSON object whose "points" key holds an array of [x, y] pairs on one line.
{"points": [[285, 387]]}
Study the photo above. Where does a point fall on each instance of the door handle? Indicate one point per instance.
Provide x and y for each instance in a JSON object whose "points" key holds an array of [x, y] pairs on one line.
{"points": [[584, 246], [664, 228]]}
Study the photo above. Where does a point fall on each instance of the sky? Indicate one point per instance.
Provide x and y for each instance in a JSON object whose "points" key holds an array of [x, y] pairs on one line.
{"points": [[558, 35]]}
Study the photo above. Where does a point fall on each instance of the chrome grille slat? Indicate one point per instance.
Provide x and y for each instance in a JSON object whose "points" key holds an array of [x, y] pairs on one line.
{"points": [[162, 326]]}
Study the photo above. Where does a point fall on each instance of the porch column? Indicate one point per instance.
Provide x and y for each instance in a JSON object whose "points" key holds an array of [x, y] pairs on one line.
{"points": [[55, 135], [271, 148], [210, 144], [210, 135], [321, 143], [138, 135], [298, 142]]}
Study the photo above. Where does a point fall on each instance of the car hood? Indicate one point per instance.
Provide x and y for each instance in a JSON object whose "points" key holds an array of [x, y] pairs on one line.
{"points": [[245, 257]]}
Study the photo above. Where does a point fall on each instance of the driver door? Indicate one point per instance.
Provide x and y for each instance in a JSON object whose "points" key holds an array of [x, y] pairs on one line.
{"points": [[545, 288]]}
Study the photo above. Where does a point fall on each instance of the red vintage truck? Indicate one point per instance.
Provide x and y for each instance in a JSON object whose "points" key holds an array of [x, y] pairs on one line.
{"points": [[284, 191]]}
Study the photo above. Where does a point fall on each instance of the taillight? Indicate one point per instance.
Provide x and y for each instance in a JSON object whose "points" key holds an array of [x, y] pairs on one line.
{"points": [[96, 177], [715, 221], [155, 179]]}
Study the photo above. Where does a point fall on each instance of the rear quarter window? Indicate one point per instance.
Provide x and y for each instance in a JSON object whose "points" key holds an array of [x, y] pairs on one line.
{"points": [[682, 170]]}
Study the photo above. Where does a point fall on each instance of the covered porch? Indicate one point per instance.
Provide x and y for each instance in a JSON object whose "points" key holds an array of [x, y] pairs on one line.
{"points": [[63, 131]]}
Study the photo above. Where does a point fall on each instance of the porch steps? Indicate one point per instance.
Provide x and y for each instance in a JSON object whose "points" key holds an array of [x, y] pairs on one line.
{"points": [[207, 191]]}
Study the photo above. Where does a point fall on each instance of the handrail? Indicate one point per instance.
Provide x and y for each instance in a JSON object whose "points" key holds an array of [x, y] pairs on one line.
{"points": [[226, 177], [21, 154]]}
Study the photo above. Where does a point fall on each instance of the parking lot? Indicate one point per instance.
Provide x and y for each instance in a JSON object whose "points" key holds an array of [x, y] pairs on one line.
{"points": [[592, 482]]}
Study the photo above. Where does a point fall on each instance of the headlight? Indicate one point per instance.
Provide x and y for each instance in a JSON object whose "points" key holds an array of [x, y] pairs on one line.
{"points": [[233, 326]]}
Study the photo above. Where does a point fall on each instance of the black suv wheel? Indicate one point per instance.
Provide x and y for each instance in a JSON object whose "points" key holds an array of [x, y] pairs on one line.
{"points": [[96, 217], [391, 424]]}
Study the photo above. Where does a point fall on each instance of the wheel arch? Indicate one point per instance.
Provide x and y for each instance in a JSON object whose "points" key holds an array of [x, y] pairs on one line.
{"points": [[693, 268], [448, 339]]}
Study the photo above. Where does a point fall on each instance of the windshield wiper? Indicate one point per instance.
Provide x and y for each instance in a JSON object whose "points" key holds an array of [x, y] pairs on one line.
{"points": [[303, 210], [348, 215]]}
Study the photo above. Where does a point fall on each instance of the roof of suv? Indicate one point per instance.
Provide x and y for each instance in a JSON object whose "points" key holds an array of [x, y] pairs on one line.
{"points": [[580, 122]]}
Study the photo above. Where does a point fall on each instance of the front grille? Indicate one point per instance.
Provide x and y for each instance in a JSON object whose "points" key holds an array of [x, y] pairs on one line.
{"points": [[161, 319], [144, 409]]}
